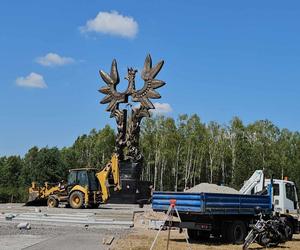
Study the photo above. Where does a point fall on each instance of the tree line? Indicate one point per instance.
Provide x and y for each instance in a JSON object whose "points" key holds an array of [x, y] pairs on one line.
{"points": [[178, 154]]}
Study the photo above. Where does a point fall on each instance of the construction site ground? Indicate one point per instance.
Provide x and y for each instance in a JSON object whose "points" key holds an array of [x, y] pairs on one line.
{"points": [[142, 239], [66, 228], [63, 228]]}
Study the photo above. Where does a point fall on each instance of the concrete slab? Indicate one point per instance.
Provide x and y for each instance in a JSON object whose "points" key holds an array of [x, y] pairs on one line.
{"points": [[87, 241], [18, 242], [108, 216], [64, 228]]}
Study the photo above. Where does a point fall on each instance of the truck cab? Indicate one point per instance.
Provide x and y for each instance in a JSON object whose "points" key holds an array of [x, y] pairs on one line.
{"points": [[285, 199]]}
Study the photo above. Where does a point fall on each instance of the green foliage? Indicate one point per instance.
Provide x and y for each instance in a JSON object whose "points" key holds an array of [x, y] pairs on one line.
{"points": [[178, 154], [52, 164], [190, 152], [10, 170]]}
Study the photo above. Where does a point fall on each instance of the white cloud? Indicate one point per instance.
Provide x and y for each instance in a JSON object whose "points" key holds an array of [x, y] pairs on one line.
{"points": [[52, 59], [161, 108], [33, 80], [112, 23]]}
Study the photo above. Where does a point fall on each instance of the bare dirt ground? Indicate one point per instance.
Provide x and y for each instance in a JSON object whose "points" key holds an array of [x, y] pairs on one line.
{"points": [[141, 239]]}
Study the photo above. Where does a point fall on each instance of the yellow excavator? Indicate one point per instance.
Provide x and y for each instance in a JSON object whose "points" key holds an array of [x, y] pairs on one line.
{"points": [[86, 187]]}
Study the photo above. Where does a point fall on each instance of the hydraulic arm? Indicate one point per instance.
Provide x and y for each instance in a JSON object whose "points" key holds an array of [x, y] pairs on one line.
{"points": [[111, 168]]}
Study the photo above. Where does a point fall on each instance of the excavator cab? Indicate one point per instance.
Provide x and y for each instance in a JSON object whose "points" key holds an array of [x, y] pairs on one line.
{"points": [[85, 177], [83, 188]]}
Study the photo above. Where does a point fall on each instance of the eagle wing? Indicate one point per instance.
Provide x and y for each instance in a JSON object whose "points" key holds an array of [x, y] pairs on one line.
{"points": [[150, 84], [113, 97]]}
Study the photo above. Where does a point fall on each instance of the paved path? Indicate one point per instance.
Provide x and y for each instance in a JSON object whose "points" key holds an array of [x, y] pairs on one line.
{"points": [[71, 242], [117, 216], [17, 242], [63, 228]]}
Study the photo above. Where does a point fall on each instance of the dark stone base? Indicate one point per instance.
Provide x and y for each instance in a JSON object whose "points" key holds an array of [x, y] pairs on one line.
{"points": [[130, 170], [132, 192]]}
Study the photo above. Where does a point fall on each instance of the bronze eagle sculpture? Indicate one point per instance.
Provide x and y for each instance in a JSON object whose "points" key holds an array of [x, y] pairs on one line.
{"points": [[128, 132]]}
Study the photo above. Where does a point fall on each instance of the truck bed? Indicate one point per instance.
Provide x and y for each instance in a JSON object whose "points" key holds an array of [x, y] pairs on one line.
{"points": [[211, 203]]}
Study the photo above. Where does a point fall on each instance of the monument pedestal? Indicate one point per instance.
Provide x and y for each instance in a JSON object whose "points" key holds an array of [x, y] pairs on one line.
{"points": [[133, 189]]}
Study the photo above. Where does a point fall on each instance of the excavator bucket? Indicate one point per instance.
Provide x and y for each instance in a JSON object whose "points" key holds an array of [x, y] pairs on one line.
{"points": [[33, 199], [34, 196]]}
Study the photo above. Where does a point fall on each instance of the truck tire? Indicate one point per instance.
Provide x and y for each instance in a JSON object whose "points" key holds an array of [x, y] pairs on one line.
{"points": [[289, 231], [203, 235], [52, 202], [236, 232], [198, 235], [76, 200], [192, 233]]}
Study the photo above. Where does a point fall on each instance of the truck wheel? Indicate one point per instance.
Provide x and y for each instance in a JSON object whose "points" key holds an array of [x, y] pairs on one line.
{"points": [[192, 233], [203, 235], [52, 202], [198, 235], [236, 232], [289, 230], [76, 199]]}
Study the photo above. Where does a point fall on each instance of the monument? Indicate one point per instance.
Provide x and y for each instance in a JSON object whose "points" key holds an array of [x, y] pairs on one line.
{"points": [[128, 124]]}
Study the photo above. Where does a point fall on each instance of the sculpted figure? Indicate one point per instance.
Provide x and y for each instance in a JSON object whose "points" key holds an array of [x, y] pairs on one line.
{"points": [[128, 128]]}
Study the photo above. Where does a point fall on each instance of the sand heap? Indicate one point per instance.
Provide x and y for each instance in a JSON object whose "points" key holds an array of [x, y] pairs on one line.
{"points": [[212, 188]]}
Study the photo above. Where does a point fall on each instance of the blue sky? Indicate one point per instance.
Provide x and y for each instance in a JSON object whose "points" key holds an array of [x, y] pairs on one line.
{"points": [[222, 59]]}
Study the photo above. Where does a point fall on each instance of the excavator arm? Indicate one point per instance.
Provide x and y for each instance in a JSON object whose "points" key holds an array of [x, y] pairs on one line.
{"points": [[111, 168]]}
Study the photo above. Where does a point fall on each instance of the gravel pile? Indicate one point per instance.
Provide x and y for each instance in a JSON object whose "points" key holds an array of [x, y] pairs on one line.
{"points": [[212, 188]]}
